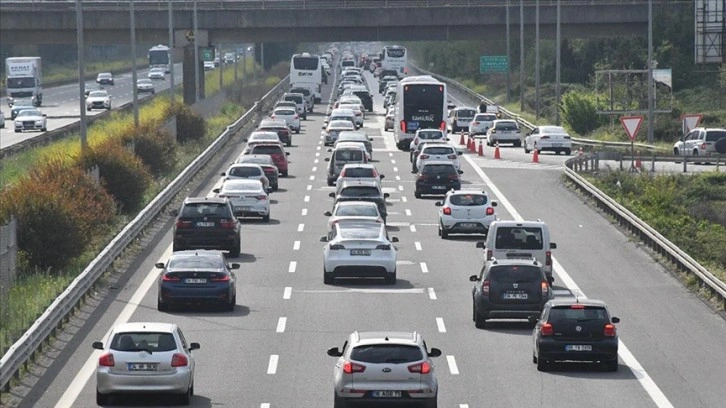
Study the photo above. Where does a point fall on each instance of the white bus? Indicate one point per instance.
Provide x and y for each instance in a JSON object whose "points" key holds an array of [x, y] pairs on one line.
{"points": [[306, 72], [159, 56], [421, 104], [393, 58]]}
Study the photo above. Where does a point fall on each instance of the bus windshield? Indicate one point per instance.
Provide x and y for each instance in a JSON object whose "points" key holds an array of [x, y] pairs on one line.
{"points": [[306, 63]]}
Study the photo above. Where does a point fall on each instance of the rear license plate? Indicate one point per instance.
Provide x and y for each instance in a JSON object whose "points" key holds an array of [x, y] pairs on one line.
{"points": [[438, 188], [360, 251], [468, 225], [556, 144], [386, 394], [241, 208], [515, 296], [143, 366], [578, 347], [195, 280], [205, 224]]}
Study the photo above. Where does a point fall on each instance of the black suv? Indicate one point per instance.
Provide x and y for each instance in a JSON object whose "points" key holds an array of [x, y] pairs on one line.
{"points": [[362, 190], [206, 223], [365, 97], [509, 289], [575, 329], [437, 177]]}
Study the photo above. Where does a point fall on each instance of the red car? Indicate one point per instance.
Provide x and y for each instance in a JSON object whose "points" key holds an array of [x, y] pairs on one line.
{"points": [[274, 150]]}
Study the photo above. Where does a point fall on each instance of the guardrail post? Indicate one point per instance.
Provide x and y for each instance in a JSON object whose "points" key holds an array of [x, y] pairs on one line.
{"points": [[652, 165]]}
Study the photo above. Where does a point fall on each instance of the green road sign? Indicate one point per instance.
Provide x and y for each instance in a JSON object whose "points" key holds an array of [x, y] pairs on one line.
{"points": [[208, 54], [493, 63]]}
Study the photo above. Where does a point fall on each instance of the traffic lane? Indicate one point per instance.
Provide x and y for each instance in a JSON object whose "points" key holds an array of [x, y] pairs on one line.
{"points": [[674, 335]]}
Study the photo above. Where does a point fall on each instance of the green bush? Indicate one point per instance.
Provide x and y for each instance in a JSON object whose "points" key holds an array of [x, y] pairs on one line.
{"points": [[157, 149], [189, 124], [579, 111], [123, 174]]}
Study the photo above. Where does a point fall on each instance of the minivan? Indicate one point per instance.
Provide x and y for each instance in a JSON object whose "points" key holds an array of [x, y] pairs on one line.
{"points": [[520, 239], [343, 154]]}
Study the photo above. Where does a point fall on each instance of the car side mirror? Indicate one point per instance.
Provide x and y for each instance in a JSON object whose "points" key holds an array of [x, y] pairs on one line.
{"points": [[459, 152], [334, 352], [328, 214], [269, 190], [45, 116], [473, 278], [331, 195], [438, 203], [480, 244], [159, 265], [494, 204], [323, 239], [460, 171], [394, 239], [386, 195], [553, 245], [223, 174], [382, 176], [216, 190], [287, 153], [234, 266], [97, 345], [615, 319], [174, 212], [434, 352], [194, 346], [533, 319]]}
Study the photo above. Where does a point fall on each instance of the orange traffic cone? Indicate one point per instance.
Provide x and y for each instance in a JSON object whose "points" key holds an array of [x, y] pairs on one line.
{"points": [[638, 164], [535, 155], [496, 151], [470, 144], [481, 148], [461, 139]]}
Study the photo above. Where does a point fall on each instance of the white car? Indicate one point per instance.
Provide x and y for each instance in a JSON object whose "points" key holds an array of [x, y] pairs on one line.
{"points": [[359, 250], [145, 86], [249, 198], [156, 73], [460, 118], [504, 131], [342, 114], [552, 138], [481, 123], [145, 357], [353, 211], [465, 212], [390, 118], [333, 128], [30, 119], [438, 152], [289, 115], [359, 113], [250, 171], [263, 136], [425, 135], [98, 100], [208, 65], [2, 120]]}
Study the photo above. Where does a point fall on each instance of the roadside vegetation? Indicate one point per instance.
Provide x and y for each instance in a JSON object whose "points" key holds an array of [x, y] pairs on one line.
{"points": [[65, 216]]}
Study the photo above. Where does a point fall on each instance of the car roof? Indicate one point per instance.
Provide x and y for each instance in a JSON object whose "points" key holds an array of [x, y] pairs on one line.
{"points": [[271, 123], [244, 165], [355, 182], [196, 200], [513, 223], [256, 158], [241, 182], [411, 338], [359, 165], [341, 124], [358, 203], [464, 192], [293, 94], [568, 301], [349, 145], [505, 120], [342, 111], [144, 327]]}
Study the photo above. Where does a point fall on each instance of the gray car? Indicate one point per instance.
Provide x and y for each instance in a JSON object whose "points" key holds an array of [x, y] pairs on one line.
{"points": [[145, 358], [384, 367]]}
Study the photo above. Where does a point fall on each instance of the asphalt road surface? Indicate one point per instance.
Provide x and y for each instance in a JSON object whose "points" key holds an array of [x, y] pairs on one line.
{"points": [[271, 350]]}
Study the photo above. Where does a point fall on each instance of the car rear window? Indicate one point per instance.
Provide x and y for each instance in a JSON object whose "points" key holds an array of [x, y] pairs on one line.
{"points": [[431, 135], [506, 126], [715, 135], [199, 210], [438, 150], [360, 191], [357, 210], [386, 353], [196, 262], [359, 172], [515, 273], [149, 341], [296, 99], [266, 150], [347, 155], [519, 238], [466, 113], [287, 112], [485, 118], [244, 171], [438, 169], [303, 91], [567, 314], [468, 199]]}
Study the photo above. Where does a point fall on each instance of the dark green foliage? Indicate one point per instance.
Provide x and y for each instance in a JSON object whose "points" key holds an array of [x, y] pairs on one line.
{"points": [[157, 149], [189, 124], [579, 111]]}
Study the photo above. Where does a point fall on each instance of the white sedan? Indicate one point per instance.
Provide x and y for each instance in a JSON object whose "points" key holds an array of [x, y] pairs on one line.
{"points": [[145, 85], [353, 211], [31, 119], [98, 100], [250, 171], [360, 250], [248, 197], [156, 73], [438, 152], [289, 115], [552, 138]]}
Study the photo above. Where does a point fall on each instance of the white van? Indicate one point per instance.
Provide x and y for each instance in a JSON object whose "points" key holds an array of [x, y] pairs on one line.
{"points": [[344, 153], [520, 239]]}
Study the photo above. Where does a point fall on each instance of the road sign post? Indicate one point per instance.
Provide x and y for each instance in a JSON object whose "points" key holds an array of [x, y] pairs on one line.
{"points": [[493, 63], [690, 122], [631, 124]]}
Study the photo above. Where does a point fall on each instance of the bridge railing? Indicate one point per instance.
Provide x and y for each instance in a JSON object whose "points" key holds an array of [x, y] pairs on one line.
{"points": [[64, 305]]}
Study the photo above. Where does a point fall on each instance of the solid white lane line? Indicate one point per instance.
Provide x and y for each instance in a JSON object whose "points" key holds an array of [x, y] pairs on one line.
{"points": [[300, 227], [404, 199], [635, 367], [312, 177], [452, 365], [424, 267], [306, 199], [408, 212], [395, 169], [281, 322], [272, 365], [398, 178], [292, 267], [310, 187], [413, 228], [417, 245], [296, 246], [432, 294], [400, 188], [439, 324], [287, 293]]}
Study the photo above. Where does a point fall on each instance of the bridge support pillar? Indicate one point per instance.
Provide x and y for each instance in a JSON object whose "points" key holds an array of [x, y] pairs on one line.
{"points": [[188, 80]]}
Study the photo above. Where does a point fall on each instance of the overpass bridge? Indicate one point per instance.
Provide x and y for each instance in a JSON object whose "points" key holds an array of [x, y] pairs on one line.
{"points": [[234, 21]]}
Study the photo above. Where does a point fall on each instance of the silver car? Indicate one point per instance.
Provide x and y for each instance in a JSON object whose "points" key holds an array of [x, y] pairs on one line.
{"points": [[334, 128], [248, 197], [353, 211], [289, 115], [465, 212], [145, 358], [360, 250], [251, 171], [384, 367]]}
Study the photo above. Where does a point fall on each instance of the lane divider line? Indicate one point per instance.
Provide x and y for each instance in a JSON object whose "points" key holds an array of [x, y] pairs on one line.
{"points": [[424, 267], [452, 365], [306, 199], [412, 227], [292, 267], [300, 227], [281, 322], [439, 324], [408, 212], [304, 211], [417, 245], [432, 294], [296, 246], [272, 365], [287, 293]]}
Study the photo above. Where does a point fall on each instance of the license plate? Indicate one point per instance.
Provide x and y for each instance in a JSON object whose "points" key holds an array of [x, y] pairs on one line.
{"points": [[360, 251], [386, 394], [468, 225], [195, 280], [143, 366], [516, 296], [438, 188], [578, 347], [238, 208], [556, 144], [205, 224]]}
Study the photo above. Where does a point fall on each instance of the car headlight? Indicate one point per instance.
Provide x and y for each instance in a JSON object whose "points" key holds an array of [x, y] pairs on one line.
{"points": [[39, 122]]}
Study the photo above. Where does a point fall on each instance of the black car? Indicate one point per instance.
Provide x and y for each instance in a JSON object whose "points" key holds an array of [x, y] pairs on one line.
{"points": [[365, 97], [437, 177], [206, 223], [362, 190], [509, 289], [575, 329], [197, 276]]}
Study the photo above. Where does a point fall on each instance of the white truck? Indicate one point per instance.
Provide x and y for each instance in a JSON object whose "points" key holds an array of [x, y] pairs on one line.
{"points": [[24, 80]]}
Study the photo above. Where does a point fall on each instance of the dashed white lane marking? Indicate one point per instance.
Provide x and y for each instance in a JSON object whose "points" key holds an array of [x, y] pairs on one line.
{"points": [[439, 324], [366, 291], [390, 154], [316, 161], [300, 227], [413, 228], [281, 322], [292, 267], [296, 246], [424, 267], [304, 211], [312, 177], [408, 212], [404, 199], [317, 148], [463, 405], [310, 187], [395, 169], [432, 294], [318, 153], [306, 199], [400, 188], [452, 365], [315, 168], [287, 293], [267, 405], [398, 178], [393, 162], [417, 245], [272, 365]]}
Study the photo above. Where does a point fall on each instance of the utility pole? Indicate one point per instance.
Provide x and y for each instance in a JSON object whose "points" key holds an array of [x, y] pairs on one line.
{"points": [[558, 68], [536, 62], [221, 67], [521, 55], [196, 55], [81, 74], [133, 66], [509, 59], [171, 55], [651, 101]]}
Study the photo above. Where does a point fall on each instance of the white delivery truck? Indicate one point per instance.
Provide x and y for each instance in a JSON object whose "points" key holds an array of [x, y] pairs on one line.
{"points": [[24, 80]]}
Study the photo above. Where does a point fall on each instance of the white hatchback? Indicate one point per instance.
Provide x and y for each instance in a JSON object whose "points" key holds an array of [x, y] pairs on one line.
{"points": [[289, 115], [504, 131], [250, 171], [248, 197], [353, 211], [465, 212], [439, 152]]}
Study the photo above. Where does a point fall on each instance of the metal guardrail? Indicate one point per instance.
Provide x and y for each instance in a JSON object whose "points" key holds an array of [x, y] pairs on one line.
{"points": [[23, 349], [651, 237]]}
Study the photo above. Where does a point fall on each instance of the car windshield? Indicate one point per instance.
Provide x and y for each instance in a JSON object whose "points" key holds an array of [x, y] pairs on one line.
{"points": [[200, 210], [715, 135], [98, 94], [267, 150], [143, 81], [506, 126], [293, 98], [552, 130], [284, 112], [438, 169], [386, 354], [360, 191], [485, 118], [468, 199], [104, 76], [148, 341], [29, 112], [569, 315], [352, 232], [241, 188], [196, 262], [518, 238], [359, 172], [357, 210], [515, 274]]}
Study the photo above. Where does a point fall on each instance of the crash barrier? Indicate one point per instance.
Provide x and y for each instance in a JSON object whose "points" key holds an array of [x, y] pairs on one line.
{"points": [[64, 305]]}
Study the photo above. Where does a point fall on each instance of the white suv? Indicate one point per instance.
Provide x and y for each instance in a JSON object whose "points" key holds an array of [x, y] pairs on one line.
{"points": [[384, 367], [465, 212]]}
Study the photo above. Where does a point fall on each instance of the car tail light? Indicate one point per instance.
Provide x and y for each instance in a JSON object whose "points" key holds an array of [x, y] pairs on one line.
{"points": [[610, 330], [385, 247], [358, 114], [421, 368], [489, 254], [179, 360], [170, 278], [220, 278], [451, 156], [350, 367], [548, 258], [545, 287], [423, 156], [261, 197], [442, 126], [490, 211], [447, 211], [485, 288], [403, 126], [106, 360], [423, 177], [577, 306], [453, 176], [546, 330], [183, 224], [337, 246], [703, 146], [226, 224]]}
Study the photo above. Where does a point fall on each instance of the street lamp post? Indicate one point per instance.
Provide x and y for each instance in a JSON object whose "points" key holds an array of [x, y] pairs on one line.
{"points": [[133, 66], [81, 74], [521, 55], [509, 58], [196, 56], [651, 101], [536, 61], [558, 68], [171, 55]]}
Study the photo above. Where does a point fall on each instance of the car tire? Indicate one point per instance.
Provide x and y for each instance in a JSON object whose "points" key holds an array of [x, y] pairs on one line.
{"points": [[331, 183], [568, 152], [525, 148], [431, 403], [676, 152], [284, 173], [266, 218], [480, 322], [289, 143], [275, 187], [161, 306], [328, 278], [235, 250], [186, 398], [543, 365], [102, 399], [518, 143], [297, 132], [391, 278], [417, 194], [339, 402], [89, 109], [444, 234], [44, 129], [231, 304], [305, 117], [534, 358], [612, 365]]}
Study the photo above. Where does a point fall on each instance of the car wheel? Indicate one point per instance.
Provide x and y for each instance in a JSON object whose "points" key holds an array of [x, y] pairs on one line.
{"points": [[305, 117], [331, 183], [339, 402], [161, 306], [568, 152], [88, 109], [525, 148], [444, 234], [297, 132], [480, 321], [186, 398], [44, 129], [289, 142], [266, 218], [518, 143], [275, 187], [232, 303], [676, 152], [328, 278], [235, 250], [17, 131], [417, 194], [102, 399], [391, 278], [534, 358], [612, 365]]}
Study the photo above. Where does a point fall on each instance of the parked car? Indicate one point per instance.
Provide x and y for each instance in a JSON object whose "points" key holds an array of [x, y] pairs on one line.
{"points": [[465, 212], [552, 138], [481, 123], [206, 223]]}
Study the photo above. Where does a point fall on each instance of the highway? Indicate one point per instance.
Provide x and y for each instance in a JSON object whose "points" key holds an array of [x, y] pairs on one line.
{"points": [[271, 351], [61, 105]]}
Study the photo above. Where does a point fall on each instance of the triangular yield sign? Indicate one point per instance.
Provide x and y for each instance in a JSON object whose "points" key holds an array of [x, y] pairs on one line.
{"points": [[631, 124], [691, 122]]}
